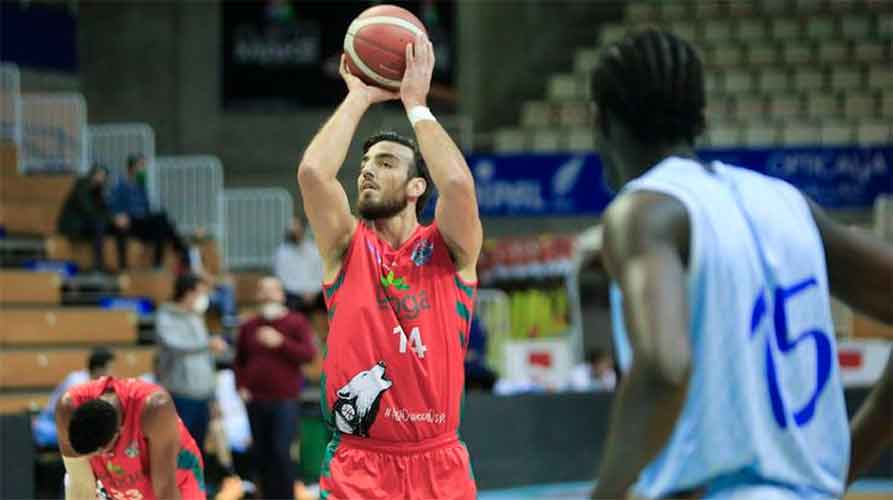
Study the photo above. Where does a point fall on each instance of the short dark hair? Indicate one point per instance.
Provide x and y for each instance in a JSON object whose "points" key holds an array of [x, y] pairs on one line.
{"points": [[652, 81], [99, 358], [417, 169], [133, 159], [186, 283], [92, 426]]}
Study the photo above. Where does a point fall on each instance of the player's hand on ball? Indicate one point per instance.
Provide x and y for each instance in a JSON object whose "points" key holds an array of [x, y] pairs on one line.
{"points": [[372, 94], [417, 78]]}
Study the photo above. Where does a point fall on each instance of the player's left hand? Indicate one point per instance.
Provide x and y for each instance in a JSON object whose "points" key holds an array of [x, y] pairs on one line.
{"points": [[416, 81]]}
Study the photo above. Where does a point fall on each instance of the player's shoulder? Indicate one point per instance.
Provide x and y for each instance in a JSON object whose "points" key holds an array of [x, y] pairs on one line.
{"points": [[157, 406], [639, 219]]}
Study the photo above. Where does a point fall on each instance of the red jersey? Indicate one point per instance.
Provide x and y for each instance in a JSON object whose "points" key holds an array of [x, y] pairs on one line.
{"points": [[399, 323], [124, 471]]}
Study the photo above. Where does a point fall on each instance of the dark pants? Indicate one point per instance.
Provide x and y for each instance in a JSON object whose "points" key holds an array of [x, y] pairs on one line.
{"points": [[274, 426], [196, 415], [156, 229], [94, 231]]}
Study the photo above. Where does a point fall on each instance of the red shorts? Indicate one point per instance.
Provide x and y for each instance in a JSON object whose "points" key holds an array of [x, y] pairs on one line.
{"points": [[366, 469]]}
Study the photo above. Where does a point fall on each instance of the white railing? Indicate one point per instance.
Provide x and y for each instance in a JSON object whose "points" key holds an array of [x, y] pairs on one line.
{"points": [[256, 220], [111, 144], [54, 132], [10, 104], [190, 190]]}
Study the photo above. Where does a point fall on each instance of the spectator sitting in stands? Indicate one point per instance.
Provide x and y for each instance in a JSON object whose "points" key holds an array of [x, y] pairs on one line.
{"points": [[186, 354], [271, 348], [99, 364], [298, 266], [130, 203], [85, 214], [223, 288], [477, 375]]}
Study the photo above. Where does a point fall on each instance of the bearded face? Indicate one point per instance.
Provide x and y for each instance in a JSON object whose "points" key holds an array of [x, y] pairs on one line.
{"points": [[383, 183]]}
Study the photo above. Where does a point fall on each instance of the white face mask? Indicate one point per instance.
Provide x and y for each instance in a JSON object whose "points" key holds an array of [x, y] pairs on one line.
{"points": [[272, 310], [200, 306]]}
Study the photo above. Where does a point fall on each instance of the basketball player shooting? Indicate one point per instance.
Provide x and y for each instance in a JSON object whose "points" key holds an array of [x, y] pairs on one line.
{"points": [[722, 279], [399, 294], [126, 433]]}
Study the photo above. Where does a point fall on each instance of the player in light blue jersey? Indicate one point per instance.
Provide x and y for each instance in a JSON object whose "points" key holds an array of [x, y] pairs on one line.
{"points": [[721, 286]]}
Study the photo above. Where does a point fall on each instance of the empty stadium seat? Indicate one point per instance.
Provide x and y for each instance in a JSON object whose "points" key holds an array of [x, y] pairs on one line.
{"points": [[760, 135], [670, 11], [24, 217], [873, 133], [47, 367], [858, 105], [797, 53], [19, 402], [885, 25], [536, 114], [738, 80], [773, 79], [833, 51], [47, 189], [546, 141], [26, 287], [800, 134], [751, 29], [707, 10], [807, 78], [748, 106], [725, 56], [580, 140], [713, 82], [846, 78], [880, 77], [567, 86], [611, 33], [69, 325], [883, 217], [822, 105], [640, 11], [886, 107], [785, 106], [784, 29], [724, 135], [156, 285], [509, 140], [686, 30], [872, 51], [717, 30], [585, 60], [856, 26], [759, 54], [574, 114], [836, 134], [821, 27]]}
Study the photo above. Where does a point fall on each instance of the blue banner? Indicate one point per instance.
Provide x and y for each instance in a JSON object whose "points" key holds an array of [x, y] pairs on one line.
{"points": [[564, 184]]}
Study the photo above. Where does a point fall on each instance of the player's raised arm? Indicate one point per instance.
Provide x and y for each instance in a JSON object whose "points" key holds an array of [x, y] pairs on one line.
{"points": [[456, 213], [159, 421], [860, 272], [645, 243], [325, 201], [81, 483]]}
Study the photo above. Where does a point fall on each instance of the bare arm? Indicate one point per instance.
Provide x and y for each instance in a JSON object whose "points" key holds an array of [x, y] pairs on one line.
{"points": [[325, 201], [456, 213], [645, 240], [860, 272], [81, 483], [159, 421], [860, 267]]}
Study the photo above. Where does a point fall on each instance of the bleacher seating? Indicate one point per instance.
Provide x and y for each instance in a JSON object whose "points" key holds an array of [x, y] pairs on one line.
{"points": [[68, 325], [780, 72], [25, 287], [44, 368]]}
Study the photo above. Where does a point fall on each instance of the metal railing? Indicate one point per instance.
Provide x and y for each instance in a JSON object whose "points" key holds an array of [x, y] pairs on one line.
{"points": [[54, 134], [111, 144], [190, 190], [256, 220], [10, 104]]}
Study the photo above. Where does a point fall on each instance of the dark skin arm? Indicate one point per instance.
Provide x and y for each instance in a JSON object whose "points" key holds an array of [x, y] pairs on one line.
{"points": [[159, 421], [646, 249], [860, 273]]}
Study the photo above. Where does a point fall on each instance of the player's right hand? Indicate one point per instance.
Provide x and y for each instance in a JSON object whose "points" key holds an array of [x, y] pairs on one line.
{"points": [[372, 94]]}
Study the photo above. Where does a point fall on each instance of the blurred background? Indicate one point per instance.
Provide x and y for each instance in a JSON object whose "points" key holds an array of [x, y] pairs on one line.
{"points": [[142, 141]]}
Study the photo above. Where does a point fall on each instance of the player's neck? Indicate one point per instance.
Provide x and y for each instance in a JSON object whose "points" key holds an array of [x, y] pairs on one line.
{"points": [[397, 229], [644, 159]]}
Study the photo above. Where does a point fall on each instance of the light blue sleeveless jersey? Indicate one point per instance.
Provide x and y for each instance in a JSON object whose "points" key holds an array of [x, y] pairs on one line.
{"points": [[765, 415]]}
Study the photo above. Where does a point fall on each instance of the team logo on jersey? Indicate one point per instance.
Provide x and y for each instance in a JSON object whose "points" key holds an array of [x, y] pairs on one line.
{"points": [[392, 280], [133, 450], [357, 404], [114, 469], [422, 252]]}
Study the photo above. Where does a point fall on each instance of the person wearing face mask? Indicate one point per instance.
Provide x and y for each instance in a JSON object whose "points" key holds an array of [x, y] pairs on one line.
{"points": [[133, 216], [186, 353], [298, 266], [272, 347], [85, 214]]}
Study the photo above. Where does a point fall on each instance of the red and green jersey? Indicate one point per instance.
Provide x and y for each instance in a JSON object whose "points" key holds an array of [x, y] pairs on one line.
{"points": [[124, 471], [399, 323]]}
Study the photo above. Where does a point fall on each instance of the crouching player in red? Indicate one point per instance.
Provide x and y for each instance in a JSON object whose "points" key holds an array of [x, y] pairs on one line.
{"points": [[126, 434], [400, 297]]}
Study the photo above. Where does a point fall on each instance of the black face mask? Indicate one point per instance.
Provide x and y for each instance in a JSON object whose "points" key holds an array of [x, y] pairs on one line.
{"points": [[291, 237]]}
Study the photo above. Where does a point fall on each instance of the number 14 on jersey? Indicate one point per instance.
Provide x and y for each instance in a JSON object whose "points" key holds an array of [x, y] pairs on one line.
{"points": [[415, 338]]}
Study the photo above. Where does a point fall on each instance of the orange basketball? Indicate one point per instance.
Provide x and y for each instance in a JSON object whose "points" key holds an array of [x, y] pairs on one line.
{"points": [[376, 41]]}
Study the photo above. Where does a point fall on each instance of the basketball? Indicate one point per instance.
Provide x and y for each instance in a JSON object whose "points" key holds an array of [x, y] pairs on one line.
{"points": [[376, 41]]}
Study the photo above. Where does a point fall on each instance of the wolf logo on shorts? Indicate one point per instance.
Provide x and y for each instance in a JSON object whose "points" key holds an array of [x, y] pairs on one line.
{"points": [[357, 403]]}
